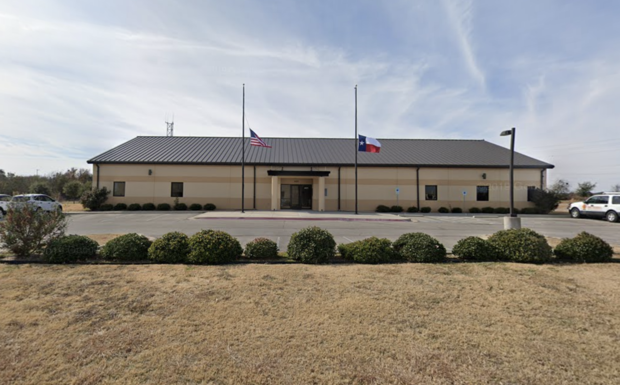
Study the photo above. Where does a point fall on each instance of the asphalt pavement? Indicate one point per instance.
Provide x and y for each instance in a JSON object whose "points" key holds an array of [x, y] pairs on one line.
{"points": [[345, 227]]}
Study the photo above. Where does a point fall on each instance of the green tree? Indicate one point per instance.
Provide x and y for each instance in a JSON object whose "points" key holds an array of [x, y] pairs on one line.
{"points": [[584, 189], [545, 200], [73, 190], [40, 188], [561, 187], [615, 188]]}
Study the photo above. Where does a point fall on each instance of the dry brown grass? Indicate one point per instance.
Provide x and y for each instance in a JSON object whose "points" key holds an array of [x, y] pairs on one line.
{"points": [[69, 206], [289, 324]]}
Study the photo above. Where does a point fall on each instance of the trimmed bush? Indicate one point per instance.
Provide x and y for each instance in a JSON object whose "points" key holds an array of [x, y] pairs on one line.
{"points": [[27, 229], [209, 207], [475, 249], [261, 248], [443, 210], [521, 245], [529, 210], [369, 250], [516, 211], [180, 206], [585, 247], [163, 207], [148, 206], [501, 210], [93, 199], [396, 209], [419, 247], [213, 247], [312, 245], [134, 207], [106, 207], [128, 247], [474, 210], [120, 206], [172, 247], [456, 210], [382, 209], [412, 209], [195, 207], [69, 249], [487, 210], [425, 209]]}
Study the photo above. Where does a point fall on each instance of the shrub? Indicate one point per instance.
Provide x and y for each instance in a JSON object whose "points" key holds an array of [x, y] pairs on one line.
{"points": [[40, 188], [443, 210], [134, 207], [475, 249], [396, 209], [584, 247], [172, 247], [521, 245], [120, 206], [516, 211], [312, 245], [457, 210], [27, 230], [545, 200], [209, 207], [501, 210], [128, 247], [195, 207], [425, 210], [529, 210], [474, 210], [487, 210], [412, 209], [419, 247], [180, 206], [369, 250], [163, 207], [73, 190], [213, 247], [106, 207], [93, 199], [261, 248], [69, 249], [382, 209], [148, 206]]}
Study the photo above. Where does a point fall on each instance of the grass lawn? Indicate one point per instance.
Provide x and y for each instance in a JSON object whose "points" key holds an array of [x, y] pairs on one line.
{"points": [[293, 324]]}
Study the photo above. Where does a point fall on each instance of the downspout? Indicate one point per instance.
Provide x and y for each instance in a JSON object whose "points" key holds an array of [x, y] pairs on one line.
{"points": [[97, 175], [417, 186], [542, 178], [254, 202], [338, 188]]}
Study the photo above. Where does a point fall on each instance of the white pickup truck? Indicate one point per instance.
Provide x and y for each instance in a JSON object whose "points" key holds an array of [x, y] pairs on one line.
{"points": [[605, 205]]}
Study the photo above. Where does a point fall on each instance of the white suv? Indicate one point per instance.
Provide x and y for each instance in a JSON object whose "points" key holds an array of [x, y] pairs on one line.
{"points": [[4, 201], [42, 201], [605, 205]]}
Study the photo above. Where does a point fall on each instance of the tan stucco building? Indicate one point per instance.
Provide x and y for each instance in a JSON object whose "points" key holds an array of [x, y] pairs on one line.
{"points": [[315, 174]]}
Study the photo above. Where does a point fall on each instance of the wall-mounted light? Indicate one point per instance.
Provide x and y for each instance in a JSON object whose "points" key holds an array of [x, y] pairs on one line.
{"points": [[150, 172], [484, 175]]}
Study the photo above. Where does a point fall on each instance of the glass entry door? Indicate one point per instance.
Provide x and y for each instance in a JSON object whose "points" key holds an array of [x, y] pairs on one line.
{"points": [[296, 196]]}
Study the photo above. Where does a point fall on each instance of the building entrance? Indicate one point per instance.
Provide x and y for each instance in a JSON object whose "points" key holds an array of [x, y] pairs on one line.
{"points": [[296, 196]]}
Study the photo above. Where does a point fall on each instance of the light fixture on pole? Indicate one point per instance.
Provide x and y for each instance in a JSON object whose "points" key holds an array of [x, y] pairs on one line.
{"points": [[511, 223]]}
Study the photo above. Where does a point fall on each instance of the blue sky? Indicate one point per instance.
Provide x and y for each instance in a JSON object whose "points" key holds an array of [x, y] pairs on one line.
{"points": [[80, 77]]}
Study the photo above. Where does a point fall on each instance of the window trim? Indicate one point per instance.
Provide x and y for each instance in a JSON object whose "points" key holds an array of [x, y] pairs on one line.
{"points": [[114, 189], [426, 194], [172, 184], [478, 192]]}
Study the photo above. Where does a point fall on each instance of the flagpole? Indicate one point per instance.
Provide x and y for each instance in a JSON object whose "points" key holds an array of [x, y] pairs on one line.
{"points": [[243, 153], [356, 148]]}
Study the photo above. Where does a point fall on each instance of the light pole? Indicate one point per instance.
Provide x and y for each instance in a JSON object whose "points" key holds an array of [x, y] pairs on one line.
{"points": [[513, 222]]}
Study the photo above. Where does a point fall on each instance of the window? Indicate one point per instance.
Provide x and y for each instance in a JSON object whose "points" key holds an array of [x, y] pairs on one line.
{"points": [[615, 200], [530, 193], [431, 193], [177, 190], [599, 199], [119, 189], [482, 193]]}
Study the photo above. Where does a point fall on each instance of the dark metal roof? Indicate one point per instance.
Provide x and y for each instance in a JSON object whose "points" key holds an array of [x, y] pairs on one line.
{"points": [[314, 152]]}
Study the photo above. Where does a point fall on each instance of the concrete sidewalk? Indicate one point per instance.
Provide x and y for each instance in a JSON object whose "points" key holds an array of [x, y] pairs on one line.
{"points": [[292, 215]]}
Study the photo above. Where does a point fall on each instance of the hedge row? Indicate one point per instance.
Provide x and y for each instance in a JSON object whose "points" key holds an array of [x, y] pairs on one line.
{"points": [[315, 246], [473, 210], [160, 207]]}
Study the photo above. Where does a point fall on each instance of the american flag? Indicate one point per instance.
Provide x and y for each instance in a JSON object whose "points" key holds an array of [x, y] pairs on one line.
{"points": [[256, 140]]}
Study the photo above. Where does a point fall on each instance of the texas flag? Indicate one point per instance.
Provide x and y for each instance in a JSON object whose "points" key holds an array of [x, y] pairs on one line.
{"points": [[368, 144]]}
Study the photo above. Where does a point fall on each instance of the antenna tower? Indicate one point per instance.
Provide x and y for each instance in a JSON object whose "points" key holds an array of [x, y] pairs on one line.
{"points": [[170, 128]]}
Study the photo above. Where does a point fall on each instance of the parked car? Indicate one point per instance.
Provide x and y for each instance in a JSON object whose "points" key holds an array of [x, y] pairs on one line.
{"points": [[41, 201], [605, 205], [4, 201]]}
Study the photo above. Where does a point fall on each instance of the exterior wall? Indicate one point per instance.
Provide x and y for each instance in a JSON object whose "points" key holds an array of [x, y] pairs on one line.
{"points": [[221, 185]]}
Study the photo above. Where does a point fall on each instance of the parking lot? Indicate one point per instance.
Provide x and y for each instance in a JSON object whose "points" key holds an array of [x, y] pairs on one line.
{"points": [[447, 229]]}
